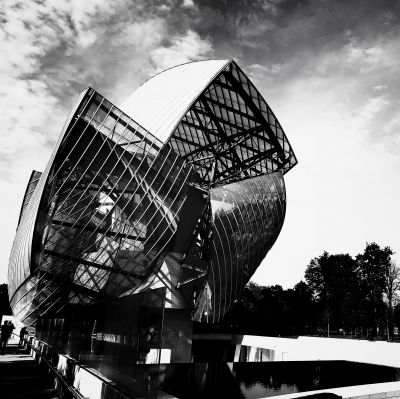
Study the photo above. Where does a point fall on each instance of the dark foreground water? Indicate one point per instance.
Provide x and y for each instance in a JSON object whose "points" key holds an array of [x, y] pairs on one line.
{"points": [[258, 380]]}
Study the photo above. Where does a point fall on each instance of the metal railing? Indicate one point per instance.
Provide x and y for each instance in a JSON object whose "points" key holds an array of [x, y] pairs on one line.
{"points": [[64, 388], [64, 384]]}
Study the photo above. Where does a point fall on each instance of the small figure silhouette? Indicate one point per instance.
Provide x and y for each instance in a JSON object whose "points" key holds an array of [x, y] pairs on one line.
{"points": [[22, 335], [5, 335], [10, 328]]}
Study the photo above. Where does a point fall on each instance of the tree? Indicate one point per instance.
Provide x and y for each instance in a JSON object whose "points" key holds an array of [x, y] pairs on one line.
{"points": [[245, 314], [391, 293], [301, 309], [374, 269], [333, 280], [273, 311]]}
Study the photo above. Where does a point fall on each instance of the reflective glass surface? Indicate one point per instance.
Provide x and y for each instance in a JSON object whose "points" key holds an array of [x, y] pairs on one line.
{"points": [[109, 208], [32, 183], [118, 212], [230, 133], [112, 338], [248, 216]]}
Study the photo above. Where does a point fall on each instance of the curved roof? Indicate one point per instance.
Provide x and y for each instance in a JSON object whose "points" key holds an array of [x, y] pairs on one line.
{"points": [[161, 102], [213, 116]]}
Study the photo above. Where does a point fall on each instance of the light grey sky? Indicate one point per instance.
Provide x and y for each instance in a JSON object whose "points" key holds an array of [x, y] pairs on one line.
{"points": [[328, 69]]}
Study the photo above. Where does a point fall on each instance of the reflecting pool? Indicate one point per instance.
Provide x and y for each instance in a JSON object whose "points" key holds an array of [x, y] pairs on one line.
{"points": [[259, 380]]}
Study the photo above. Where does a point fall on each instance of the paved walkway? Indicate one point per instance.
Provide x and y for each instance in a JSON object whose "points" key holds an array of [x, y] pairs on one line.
{"points": [[21, 377]]}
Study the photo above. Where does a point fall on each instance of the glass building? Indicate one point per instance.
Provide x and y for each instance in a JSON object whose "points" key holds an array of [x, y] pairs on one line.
{"points": [[175, 198]]}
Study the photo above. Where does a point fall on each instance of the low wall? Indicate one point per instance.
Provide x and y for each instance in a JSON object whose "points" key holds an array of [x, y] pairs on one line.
{"points": [[316, 348], [373, 391]]}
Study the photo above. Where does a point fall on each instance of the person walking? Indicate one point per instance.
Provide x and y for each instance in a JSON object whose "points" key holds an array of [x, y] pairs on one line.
{"points": [[22, 335], [4, 336], [10, 328]]}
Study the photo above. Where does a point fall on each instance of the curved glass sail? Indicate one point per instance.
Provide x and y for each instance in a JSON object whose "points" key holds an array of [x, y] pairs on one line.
{"points": [[183, 190], [109, 207]]}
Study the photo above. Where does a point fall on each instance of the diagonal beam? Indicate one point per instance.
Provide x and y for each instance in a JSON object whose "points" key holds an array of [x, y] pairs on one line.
{"points": [[92, 264], [253, 161], [125, 124], [59, 279], [185, 140], [99, 230], [216, 119], [198, 127], [230, 108], [221, 131], [254, 109]]}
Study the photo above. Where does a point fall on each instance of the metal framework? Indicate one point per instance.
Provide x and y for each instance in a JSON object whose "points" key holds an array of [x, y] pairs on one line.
{"points": [[191, 200]]}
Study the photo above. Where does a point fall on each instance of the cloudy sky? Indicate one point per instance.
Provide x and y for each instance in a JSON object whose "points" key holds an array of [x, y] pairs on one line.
{"points": [[328, 69]]}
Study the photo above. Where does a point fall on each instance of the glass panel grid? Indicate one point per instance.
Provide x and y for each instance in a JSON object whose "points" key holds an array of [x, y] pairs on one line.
{"points": [[112, 208], [232, 117]]}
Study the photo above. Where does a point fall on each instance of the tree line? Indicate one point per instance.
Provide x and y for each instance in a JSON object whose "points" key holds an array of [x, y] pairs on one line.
{"points": [[341, 294]]}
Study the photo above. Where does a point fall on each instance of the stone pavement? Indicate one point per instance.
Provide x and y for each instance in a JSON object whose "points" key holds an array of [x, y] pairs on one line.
{"points": [[22, 378]]}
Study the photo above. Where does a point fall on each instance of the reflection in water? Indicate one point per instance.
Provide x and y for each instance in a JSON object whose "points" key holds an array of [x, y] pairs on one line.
{"points": [[146, 349], [258, 380], [259, 390]]}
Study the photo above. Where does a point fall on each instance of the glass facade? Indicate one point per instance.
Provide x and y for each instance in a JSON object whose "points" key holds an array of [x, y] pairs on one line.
{"points": [[248, 216], [115, 339], [120, 212], [30, 189], [230, 133], [109, 208]]}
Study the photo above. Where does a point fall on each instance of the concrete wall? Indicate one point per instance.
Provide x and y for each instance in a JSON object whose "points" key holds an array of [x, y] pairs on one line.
{"points": [[316, 348], [372, 391]]}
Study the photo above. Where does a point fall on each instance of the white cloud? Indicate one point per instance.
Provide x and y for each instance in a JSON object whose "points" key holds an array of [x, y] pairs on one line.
{"points": [[30, 31], [371, 108], [86, 39], [357, 53], [189, 47], [392, 126], [373, 56], [83, 15], [253, 35], [380, 88], [259, 72], [264, 69], [188, 3], [164, 8], [143, 35]]}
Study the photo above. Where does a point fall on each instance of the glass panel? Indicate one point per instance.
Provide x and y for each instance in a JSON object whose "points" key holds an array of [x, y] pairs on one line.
{"points": [[109, 209], [248, 217]]}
